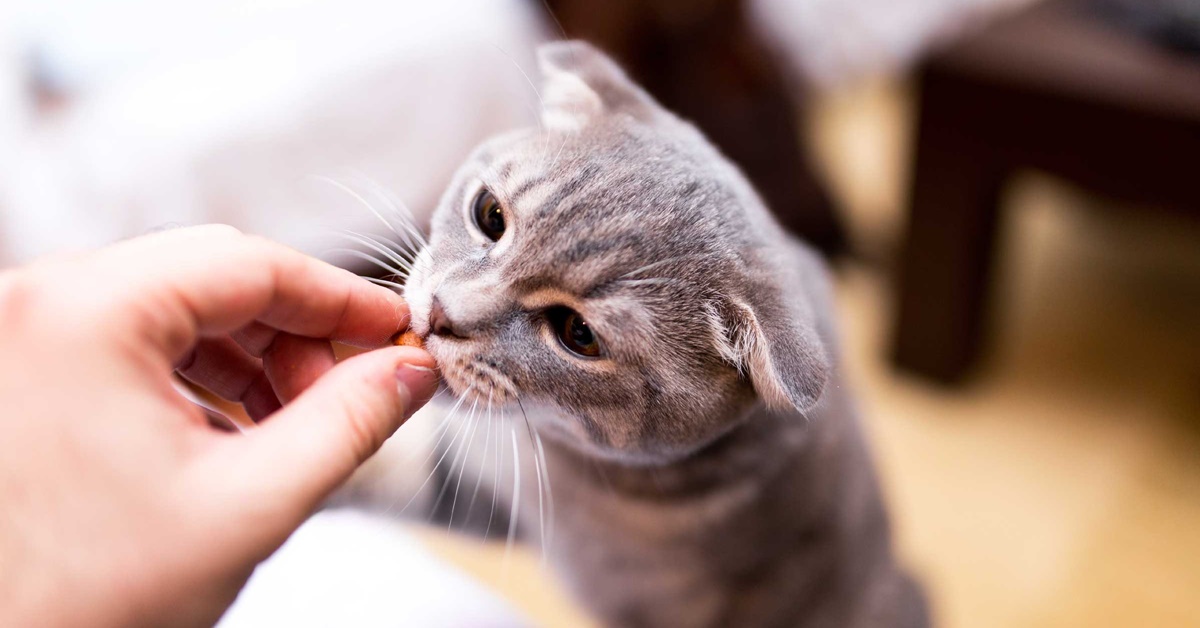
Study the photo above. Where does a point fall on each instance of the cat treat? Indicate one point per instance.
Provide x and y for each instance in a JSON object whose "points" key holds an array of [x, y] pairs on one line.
{"points": [[409, 339]]}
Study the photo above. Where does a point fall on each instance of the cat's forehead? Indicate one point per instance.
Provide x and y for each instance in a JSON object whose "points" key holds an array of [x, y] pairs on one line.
{"points": [[599, 204], [633, 168]]}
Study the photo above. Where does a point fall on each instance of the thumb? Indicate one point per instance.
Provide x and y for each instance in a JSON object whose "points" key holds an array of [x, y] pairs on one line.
{"points": [[306, 450]]}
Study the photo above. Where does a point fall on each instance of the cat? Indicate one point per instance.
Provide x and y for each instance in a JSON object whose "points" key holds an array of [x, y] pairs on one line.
{"points": [[611, 282]]}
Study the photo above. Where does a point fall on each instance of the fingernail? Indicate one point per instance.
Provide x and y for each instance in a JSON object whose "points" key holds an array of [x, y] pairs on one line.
{"points": [[416, 385]]}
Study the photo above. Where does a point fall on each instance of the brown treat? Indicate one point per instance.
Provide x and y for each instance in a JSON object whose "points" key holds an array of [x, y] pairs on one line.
{"points": [[409, 339]]}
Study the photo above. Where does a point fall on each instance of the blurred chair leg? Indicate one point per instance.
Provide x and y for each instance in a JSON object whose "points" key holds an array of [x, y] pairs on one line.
{"points": [[946, 261]]}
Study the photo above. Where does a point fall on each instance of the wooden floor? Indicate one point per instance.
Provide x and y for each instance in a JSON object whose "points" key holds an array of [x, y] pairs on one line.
{"points": [[1062, 487]]}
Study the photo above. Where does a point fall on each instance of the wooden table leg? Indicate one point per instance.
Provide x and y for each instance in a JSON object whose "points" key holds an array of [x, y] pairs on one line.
{"points": [[946, 262]]}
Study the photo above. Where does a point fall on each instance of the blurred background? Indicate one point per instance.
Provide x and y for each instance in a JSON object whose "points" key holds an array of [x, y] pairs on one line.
{"points": [[1008, 191]]}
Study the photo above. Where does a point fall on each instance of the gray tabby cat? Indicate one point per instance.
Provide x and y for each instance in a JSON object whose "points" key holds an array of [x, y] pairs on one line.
{"points": [[614, 281]]}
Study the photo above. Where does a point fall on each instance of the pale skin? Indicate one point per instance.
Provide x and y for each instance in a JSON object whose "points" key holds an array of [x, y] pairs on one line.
{"points": [[120, 502]]}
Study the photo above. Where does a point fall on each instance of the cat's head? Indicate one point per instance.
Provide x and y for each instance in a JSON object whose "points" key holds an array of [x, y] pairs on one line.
{"points": [[611, 269]]}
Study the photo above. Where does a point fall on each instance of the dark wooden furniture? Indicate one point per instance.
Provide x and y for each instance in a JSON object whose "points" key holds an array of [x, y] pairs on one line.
{"points": [[1051, 89]]}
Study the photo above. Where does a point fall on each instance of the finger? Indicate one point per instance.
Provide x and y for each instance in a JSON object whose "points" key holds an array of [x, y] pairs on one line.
{"points": [[260, 400], [255, 338], [222, 367], [220, 422], [293, 363], [174, 286], [313, 444]]}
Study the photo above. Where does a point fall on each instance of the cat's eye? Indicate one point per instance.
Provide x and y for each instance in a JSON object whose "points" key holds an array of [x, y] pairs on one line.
{"points": [[573, 332], [489, 214]]}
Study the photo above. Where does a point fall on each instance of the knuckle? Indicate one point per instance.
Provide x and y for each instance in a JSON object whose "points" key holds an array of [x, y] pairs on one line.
{"points": [[219, 232], [226, 230], [259, 245], [269, 248]]}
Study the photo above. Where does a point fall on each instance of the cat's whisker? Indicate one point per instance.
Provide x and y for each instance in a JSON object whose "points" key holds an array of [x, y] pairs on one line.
{"points": [[575, 59], [400, 209], [462, 467], [499, 465], [432, 453], [412, 239], [545, 469], [456, 461], [441, 282], [514, 512], [371, 260], [486, 441], [545, 161], [421, 262], [535, 441], [371, 208], [397, 253], [438, 432], [410, 234], [404, 247], [409, 223], [562, 32], [410, 455], [525, 75], [385, 283], [391, 257], [565, 135], [537, 113], [562, 145]]}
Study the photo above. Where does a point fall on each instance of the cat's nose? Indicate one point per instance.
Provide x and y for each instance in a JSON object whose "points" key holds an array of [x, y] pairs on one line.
{"points": [[439, 323]]}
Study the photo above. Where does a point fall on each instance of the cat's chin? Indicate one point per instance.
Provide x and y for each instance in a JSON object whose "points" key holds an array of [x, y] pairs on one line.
{"points": [[479, 382]]}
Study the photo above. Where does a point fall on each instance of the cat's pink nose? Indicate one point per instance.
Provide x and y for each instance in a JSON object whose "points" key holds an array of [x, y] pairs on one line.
{"points": [[439, 323]]}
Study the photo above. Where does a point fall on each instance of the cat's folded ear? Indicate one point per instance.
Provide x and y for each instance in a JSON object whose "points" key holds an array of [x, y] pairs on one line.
{"points": [[781, 352], [580, 84]]}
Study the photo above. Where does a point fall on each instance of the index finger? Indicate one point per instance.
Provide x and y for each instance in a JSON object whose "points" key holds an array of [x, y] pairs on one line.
{"points": [[178, 285]]}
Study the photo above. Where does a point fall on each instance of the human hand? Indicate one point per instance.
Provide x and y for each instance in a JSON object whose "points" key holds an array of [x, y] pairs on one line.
{"points": [[119, 503]]}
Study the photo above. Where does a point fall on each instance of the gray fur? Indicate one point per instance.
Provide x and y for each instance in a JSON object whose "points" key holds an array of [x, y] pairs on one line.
{"points": [[708, 470]]}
